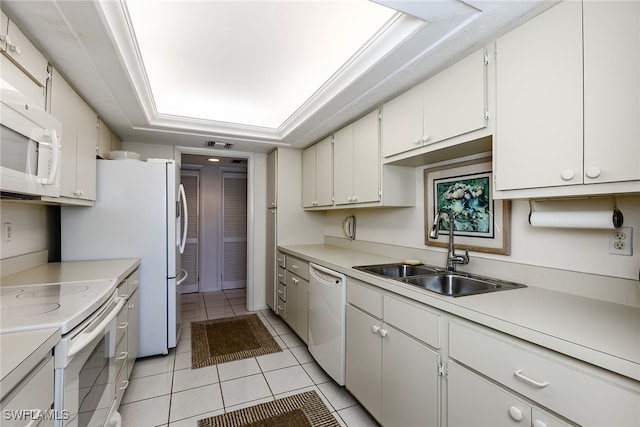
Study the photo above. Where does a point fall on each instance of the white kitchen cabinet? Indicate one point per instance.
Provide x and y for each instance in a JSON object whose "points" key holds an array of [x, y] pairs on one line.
{"points": [[17, 47], [107, 140], [451, 103], [577, 391], [293, 295], [272, 179], [128, 334], [79, 143], [474, 401], [317, 173], [356, 161], [391, 371], [569, 120]]}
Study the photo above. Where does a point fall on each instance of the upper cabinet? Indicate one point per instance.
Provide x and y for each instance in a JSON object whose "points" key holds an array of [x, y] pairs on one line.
{"points": [[15, 45], [451, 103], [317, 172], [272, 179], [79, 143], [107, 140], [356, 161], [568, 121]]}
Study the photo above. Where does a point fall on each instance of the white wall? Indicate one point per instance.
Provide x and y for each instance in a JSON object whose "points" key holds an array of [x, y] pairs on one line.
{"points": [[584, 251], [29, 229]]}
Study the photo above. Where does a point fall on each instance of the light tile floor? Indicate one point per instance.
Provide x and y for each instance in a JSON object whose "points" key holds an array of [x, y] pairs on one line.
{"points": [[165, 391]]}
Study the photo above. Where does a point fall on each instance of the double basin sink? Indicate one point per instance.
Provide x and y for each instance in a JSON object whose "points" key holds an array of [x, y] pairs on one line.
{"points": [[439, 280]]}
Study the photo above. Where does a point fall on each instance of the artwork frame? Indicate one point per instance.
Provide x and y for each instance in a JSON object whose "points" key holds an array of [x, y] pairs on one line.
{"points": [[482, 224]]}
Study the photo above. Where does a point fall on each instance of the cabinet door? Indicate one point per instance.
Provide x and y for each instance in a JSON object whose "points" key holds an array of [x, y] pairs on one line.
{"points": [[272, 164], [473, 401], [410, 381], [133, 313], [402, 127], [454, 99], [539, 133], [4, 28], [309, 177], [343, 166], [292, 300], [364, 360], [25, 54], [104, 139], [271, 279], [302, 315], [65, 105], [611, 91], [86, 152], [366, 158], [324, 172]]}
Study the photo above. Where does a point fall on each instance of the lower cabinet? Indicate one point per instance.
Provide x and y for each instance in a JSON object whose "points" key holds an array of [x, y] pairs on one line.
{"points": [[474, 401], [297, 312], [127, 335], [392, 374]]}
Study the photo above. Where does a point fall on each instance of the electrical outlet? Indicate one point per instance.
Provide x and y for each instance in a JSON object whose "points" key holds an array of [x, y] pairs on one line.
{"points": [[8, 231], [621, 241]]}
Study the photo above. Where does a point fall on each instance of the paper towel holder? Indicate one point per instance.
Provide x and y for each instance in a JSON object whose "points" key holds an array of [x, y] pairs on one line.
{"points": [[617, 217]]}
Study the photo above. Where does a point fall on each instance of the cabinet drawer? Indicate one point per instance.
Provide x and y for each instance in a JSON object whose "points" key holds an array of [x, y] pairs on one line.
{"points": [[123, 290], [282, 292], [364, 297], [281, 259], [121, 384], [413, 320], [281, 275], [582, 393], [281, 308], [298, 267], [35, 392]]}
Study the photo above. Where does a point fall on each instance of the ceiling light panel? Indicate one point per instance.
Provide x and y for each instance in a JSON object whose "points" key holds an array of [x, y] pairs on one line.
{"points": [[247, 62]]}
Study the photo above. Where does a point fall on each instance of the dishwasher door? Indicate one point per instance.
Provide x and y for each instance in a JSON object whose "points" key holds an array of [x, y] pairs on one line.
{"points": [[327, 301]]}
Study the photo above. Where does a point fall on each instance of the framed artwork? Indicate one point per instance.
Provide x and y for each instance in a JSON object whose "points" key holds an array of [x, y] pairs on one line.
{"points": [[480, 223]]}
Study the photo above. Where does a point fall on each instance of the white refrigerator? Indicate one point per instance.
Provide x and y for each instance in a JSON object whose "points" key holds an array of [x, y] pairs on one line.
{"points": [[139, 213]]}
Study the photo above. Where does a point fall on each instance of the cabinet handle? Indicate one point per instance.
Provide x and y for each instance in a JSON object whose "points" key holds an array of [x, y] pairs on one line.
{"points": [[123, 325], [593, 172], [519, 374], [383, 332], [515, 413], [124, 355], [295, 281], [567, 174], [375, 329], [295, 267], [126, 384], [131, 306]]}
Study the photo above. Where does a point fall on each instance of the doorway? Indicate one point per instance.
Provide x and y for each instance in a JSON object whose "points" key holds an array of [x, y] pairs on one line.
{"points": [[190, 180], [219, 250]]}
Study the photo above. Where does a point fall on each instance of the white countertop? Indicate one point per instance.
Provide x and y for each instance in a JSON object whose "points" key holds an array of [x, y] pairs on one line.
{"points": [[73, 271], [21, 353], [597, 332]]}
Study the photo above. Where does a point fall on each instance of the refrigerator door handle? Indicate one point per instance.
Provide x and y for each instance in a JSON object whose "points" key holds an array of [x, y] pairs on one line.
{"points": [[185, 274], [183, 197]]}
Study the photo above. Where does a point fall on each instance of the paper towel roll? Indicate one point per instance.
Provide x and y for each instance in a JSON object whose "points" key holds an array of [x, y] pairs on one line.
{"points": [[579, 219]]}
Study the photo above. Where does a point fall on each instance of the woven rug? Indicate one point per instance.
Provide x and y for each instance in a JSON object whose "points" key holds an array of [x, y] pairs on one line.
{"points": [[301, 410], [232, 338]]}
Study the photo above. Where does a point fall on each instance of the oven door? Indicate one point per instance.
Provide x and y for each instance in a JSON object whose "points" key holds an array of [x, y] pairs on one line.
{"points": [[85, 374]]}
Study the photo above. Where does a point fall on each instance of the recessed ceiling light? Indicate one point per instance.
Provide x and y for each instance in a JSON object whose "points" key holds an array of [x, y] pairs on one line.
{"points": [[213, 159]]}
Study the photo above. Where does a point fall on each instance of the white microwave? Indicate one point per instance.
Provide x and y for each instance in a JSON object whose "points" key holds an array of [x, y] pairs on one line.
{"points": [[29, 147]]}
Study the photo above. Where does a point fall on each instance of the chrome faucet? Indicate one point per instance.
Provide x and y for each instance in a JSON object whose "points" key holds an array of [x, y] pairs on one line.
{"points": [[452, 257]]}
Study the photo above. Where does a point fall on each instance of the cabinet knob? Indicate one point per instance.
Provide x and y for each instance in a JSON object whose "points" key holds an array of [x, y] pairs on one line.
{"points": [[568, 174], [538, 423], [593, 172], [375, 329], [515, 413], [426, 138], [383, 332], [417, 141]]}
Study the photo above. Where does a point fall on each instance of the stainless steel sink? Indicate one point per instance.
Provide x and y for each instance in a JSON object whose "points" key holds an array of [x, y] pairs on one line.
{"points": [[438, 280], [456, 284], [397, 270]]}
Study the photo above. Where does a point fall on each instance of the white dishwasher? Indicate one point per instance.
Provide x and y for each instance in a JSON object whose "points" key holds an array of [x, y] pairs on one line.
{"points": [[327, 301]]}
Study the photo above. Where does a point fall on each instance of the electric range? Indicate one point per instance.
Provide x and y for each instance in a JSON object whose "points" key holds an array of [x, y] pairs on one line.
{"points": [[51, 305]]}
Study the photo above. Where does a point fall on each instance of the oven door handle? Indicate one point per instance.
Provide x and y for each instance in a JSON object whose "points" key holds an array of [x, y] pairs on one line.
{"points": [[86, 338]]}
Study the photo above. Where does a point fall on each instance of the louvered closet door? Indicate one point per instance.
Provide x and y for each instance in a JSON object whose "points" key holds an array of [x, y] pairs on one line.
{"points": [[191, 182], [234, 230]]}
